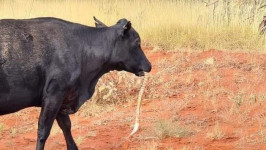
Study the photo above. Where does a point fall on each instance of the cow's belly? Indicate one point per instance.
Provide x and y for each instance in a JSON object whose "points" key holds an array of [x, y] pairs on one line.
{"points": [[18, 99]]}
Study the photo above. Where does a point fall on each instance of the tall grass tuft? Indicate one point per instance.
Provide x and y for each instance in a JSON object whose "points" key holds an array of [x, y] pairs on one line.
{"points": [[169, 24]]}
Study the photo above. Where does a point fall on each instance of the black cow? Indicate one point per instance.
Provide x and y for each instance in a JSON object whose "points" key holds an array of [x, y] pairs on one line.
{"points": [[55, 64]]}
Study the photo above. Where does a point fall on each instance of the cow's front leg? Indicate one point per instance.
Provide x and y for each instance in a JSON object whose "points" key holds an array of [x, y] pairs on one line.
{"points": [[65, 124], [50, 107]]}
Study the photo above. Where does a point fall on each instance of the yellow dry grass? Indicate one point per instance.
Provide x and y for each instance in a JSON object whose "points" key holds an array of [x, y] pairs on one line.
{"points": [[169, 24]]}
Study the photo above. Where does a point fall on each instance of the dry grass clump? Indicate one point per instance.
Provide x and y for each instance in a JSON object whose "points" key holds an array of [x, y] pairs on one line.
{"points": [[117, 88], [169, 128], [112, 89]]}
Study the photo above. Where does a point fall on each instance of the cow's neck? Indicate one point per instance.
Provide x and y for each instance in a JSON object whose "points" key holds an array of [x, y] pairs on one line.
{"points": [[94, 65], [96, 56]]}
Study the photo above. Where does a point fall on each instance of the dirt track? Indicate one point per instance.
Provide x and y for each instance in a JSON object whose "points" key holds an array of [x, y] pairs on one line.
{"points": [[217, 98]]}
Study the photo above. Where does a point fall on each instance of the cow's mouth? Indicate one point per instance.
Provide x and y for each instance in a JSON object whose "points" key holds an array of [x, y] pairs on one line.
{"points": [[140, 73]]}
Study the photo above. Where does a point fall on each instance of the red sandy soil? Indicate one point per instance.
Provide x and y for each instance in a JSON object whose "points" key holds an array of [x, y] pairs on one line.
{"points": [[218, 98]]}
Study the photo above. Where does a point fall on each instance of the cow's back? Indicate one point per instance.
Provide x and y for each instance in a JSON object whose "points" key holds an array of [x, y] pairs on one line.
{"points": [[31, 40], [26, 51]]}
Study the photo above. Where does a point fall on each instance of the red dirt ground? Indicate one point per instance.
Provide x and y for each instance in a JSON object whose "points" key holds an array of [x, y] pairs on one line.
{"points": [[216, 99]]}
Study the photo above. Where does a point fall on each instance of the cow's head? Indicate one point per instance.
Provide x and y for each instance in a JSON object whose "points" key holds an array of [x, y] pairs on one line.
{"points": [[127, 53]]}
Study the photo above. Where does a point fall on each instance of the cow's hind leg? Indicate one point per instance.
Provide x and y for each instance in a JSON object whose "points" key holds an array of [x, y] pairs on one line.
{"points": [[65, 124]]}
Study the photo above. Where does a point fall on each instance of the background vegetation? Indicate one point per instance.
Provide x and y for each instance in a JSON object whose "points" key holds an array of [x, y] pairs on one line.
{"points": [[166, 24]]}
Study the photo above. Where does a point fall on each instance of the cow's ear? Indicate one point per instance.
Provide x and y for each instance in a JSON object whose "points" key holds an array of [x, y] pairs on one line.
{"points": [[127, 27], [98, 23], [124, 28]]}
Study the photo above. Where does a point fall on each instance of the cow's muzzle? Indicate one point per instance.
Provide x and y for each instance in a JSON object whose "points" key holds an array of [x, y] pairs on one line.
{"points": [[145, 68]]}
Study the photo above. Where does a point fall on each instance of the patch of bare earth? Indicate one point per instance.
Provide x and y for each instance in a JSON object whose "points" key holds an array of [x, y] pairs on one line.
{"points": [[209, 100]]}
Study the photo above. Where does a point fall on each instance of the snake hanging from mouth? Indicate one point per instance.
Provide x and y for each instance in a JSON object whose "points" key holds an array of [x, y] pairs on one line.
{"points": [[136, 126]]}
